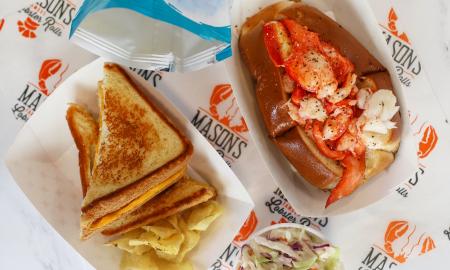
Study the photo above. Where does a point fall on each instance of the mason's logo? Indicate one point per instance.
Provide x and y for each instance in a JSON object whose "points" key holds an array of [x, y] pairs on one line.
{"points": [[428, 141], [278, 205], [50, 75], [223, 107], [27, 27], [222, 123], [408, 65], [392, 25], [229, 257], [402, 240], [248, 228], [50, 15]]}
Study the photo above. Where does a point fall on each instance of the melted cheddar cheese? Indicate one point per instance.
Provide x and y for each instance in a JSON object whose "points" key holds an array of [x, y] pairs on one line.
{"points": [[109, 218]]}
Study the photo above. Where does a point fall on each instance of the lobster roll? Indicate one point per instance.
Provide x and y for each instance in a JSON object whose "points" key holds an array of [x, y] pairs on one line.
{"points": [[326, 102]]}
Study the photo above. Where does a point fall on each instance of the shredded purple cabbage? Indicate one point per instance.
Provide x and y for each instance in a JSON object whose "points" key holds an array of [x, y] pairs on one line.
{"points": [[321, 246], [288, 256], [266, 255], [296, 246], [285, 260]]}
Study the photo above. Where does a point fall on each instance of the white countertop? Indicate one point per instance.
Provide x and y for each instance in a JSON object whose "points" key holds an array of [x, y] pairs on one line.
{"points": [[28, 242]]}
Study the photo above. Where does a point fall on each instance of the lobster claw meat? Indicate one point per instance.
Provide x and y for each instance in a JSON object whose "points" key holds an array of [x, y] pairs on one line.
{"points": [[344, 91], [308, 65], [337, 123], [352, 177], [297, 95], [277, 41], [341, 66], [303, 40], [312, 72], [350, 141], [321, 144]]}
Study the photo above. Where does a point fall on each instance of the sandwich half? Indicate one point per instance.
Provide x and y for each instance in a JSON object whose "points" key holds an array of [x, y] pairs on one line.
{"points": [[84, 129], [184, 194], [138, 153]]}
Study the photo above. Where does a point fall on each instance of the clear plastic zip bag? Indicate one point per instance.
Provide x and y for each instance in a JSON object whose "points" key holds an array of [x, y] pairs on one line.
{"points": [[171, 35]]}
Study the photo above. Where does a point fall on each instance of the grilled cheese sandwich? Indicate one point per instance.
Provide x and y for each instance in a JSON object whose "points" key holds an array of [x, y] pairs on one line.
{"points": [[138, 152]]}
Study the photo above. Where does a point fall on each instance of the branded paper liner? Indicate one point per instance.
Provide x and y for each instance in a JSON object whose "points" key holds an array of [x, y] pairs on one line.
{"points": [[306, 199], [13, 6], [44, 162]]}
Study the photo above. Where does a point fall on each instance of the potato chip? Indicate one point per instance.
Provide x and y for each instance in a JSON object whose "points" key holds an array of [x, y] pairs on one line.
{"points": [[139, 250], [123, 241], [165, 265], [191, 239], [160, 223], [170, 245], [149, 261], [162, 232], [164, 244], [203, 215], [137, 262], [173, 220], [166, 256]]}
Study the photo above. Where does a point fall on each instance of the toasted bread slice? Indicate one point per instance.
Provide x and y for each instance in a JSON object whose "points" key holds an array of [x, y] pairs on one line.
{"points": [[84, 129], [185, 194], [139, 153]]}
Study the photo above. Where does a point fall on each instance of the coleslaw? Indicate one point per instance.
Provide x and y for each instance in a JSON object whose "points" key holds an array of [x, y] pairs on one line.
{"points": [[289, 248]]}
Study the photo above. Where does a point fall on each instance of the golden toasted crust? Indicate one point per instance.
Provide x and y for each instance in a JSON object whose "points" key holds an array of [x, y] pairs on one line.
{"points": [[298, 152], [119, 198], [298, 148], [84, 131], [183, 195], [125, 151]]}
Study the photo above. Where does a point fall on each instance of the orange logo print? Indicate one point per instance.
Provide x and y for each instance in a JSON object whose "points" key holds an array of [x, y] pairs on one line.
{"points": [[248, 228], [392, 25], [428, 142], [281, 220], [27, 27], [224, 108], [401, 241], [48, 69], [2, 22]]}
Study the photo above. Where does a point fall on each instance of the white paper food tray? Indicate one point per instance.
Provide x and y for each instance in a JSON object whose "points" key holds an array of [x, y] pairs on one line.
{"points": [[307, 200], [44, 162]]}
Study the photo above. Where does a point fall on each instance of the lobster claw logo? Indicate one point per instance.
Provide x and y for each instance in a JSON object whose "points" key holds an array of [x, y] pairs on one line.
{"points": [[49, 69], [27, 27], [428, 142], [223, 107], [248, 228], [401, 241], [392, 25], [2, 22]]}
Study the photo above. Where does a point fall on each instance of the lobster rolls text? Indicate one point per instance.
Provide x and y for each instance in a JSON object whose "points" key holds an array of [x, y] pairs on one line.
{"points": [[327, 103]]}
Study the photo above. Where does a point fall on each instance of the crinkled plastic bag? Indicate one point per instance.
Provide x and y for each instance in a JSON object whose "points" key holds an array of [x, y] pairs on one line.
{"points": [[171, 35]]}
